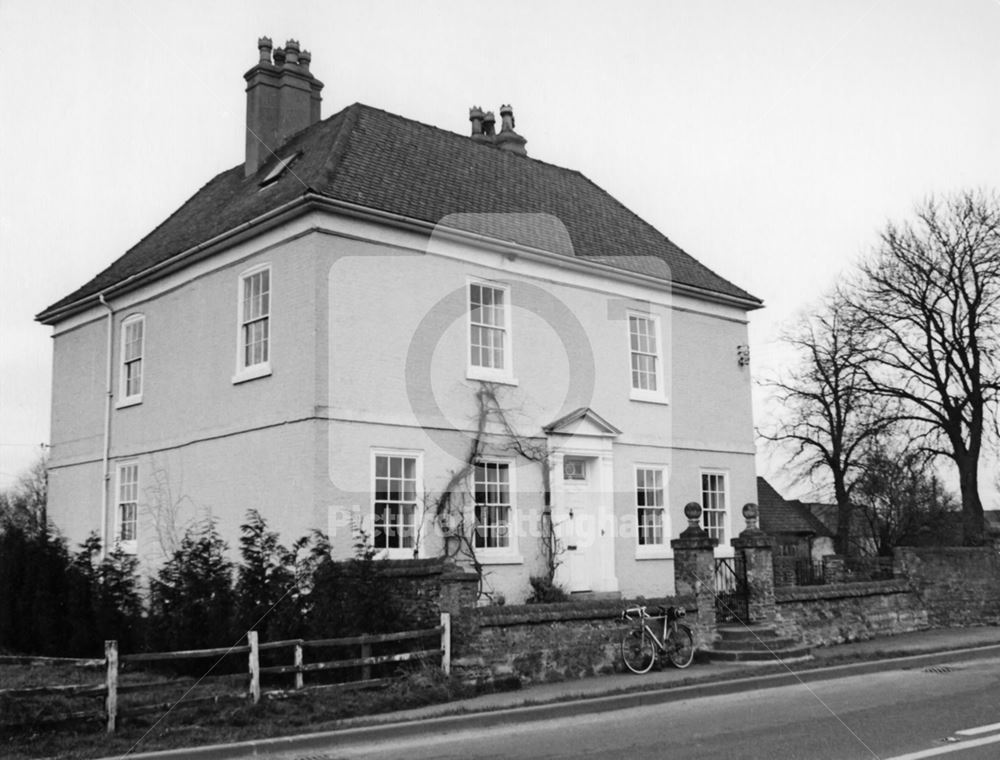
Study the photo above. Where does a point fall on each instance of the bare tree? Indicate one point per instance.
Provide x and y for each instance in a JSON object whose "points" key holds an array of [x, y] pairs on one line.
{"points": [[900, 499], [930, 300], [24, 504], [827, 412]]}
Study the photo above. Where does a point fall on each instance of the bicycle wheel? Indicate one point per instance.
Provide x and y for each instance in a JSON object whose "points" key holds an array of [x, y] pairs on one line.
{"points": [[638, 652], [680, 646]]}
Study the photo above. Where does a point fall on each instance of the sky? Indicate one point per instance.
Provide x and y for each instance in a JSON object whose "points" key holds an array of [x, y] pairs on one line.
{"points": [[771, 140]]}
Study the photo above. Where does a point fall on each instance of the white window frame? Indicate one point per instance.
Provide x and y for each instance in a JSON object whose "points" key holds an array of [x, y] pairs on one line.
{"points": [[504, 374], [400, 552], [498, 555], [658, 396], [124, 398], [244, 371], [652, 551], [726, 513], [127, 545]]}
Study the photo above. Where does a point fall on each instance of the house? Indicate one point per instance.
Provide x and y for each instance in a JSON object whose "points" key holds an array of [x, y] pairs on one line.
{"points": [[799, 536], [379, 328]]}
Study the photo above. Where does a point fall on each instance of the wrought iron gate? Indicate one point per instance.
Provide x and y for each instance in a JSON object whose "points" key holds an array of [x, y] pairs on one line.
{"points": [[731, 592]]}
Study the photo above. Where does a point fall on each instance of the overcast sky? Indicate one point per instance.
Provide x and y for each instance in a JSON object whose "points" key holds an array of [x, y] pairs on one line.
{"points": [[771, 140]]}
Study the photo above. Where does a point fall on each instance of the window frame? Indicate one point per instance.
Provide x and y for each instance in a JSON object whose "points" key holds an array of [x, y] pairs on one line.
{"points": [[658, 396], [726, 511], [505, 374], [128, 546], [498, 555], [245, 371], [124, 398], [417, 550], [661, 550]]}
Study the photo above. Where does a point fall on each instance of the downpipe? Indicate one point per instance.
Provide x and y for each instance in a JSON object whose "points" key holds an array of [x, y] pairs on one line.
{"points": [[106, 456]]}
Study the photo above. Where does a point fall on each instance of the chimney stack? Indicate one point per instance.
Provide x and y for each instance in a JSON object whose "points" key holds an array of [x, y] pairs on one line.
{"points": [[484, 130], [508, 139], [283, 98]]}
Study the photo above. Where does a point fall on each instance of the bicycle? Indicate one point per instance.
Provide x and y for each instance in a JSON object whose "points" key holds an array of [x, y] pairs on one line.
{"points": [[641, 646]]}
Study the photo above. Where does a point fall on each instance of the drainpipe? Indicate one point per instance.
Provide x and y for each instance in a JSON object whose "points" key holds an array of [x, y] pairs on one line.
{"points": [[107, 427]]}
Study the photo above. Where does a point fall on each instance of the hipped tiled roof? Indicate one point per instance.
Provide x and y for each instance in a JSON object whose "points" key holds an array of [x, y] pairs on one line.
{"points": [[377, 160], [778, 515]]}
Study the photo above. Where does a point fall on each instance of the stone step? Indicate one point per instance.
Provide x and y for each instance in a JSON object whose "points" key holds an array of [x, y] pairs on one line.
{"points": [[762, 657], [775, 644], [751, 632]]}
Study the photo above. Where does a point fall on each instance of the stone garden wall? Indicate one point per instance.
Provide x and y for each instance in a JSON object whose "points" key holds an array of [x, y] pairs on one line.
{"points": [[842, 612], [934, 587], [543, 642], [957, 585]]}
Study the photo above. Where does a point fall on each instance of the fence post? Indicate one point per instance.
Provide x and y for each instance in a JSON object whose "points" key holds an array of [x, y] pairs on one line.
{"points": [[366, 670], [298, 664], [111, 681], [446, 643], [254, 667]]}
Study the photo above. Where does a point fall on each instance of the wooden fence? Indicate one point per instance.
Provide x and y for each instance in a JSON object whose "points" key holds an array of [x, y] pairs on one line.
{"points": [[113, 660]]}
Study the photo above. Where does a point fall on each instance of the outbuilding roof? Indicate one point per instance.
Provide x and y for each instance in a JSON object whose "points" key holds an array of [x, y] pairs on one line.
{"points": [[778, 515]]}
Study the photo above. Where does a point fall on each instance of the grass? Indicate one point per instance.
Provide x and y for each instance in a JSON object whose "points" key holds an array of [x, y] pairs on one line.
{"points": [[200, 724]]}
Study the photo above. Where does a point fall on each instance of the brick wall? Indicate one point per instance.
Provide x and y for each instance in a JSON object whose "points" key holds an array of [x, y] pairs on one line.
{"points": [[842, 612]]}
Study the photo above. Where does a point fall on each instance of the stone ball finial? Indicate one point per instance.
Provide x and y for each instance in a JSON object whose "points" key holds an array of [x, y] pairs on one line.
{"points": [[750, 513], [692, 511]]}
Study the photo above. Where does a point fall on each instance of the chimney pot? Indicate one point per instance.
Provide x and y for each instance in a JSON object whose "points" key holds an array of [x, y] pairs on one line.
{"points": [[507, 119], [264, 45], [489, 123], [476, 117], [305, 57], [279, 56], [292, 52]]}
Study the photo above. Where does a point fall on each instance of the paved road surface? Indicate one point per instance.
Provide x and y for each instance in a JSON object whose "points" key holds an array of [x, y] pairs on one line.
{"points": [[897, 714]]}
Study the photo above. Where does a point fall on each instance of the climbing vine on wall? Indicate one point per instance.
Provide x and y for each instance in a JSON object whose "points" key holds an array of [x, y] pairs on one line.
{"points": [[451, 506]]}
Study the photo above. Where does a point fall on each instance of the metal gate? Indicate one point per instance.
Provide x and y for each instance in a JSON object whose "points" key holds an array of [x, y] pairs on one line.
{"points": [[731, 592]]}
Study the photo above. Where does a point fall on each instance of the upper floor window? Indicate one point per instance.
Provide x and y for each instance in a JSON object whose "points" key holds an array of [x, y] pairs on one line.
{"points": [[132, 350], [254, 357], [396, 515], [127, 510], [646, 358], [714, 504], [489, 332], [494, 506]]}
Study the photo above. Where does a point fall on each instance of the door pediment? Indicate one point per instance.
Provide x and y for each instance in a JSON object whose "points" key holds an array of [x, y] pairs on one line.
{"points": [[582, 421]]}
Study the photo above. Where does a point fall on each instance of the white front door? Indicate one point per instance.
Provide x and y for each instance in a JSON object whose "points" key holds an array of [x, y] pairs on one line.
{"points": [[581, 504]]}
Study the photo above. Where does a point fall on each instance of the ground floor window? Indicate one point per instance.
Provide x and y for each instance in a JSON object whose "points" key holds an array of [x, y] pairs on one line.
{"points": [[493, 505], [127, 506], [395, 489], [650, 502], [714, 502]]}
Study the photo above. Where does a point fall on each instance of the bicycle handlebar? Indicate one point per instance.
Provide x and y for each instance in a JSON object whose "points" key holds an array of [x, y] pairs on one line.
{"points": [[671, 613]]}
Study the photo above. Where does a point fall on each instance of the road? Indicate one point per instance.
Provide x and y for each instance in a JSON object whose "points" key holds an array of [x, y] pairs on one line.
{"points": [[951, 711]]}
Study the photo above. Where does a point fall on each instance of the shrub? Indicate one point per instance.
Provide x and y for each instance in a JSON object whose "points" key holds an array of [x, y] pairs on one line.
{"points": [[192, 602], [266, 587], [545, 591]]}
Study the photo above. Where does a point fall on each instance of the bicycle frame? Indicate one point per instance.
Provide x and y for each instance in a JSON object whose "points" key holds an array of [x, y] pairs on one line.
{"points": [[644, 616]]}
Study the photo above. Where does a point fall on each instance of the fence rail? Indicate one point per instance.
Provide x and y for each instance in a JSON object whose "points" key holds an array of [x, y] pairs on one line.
{"points": [[110, 689]]}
